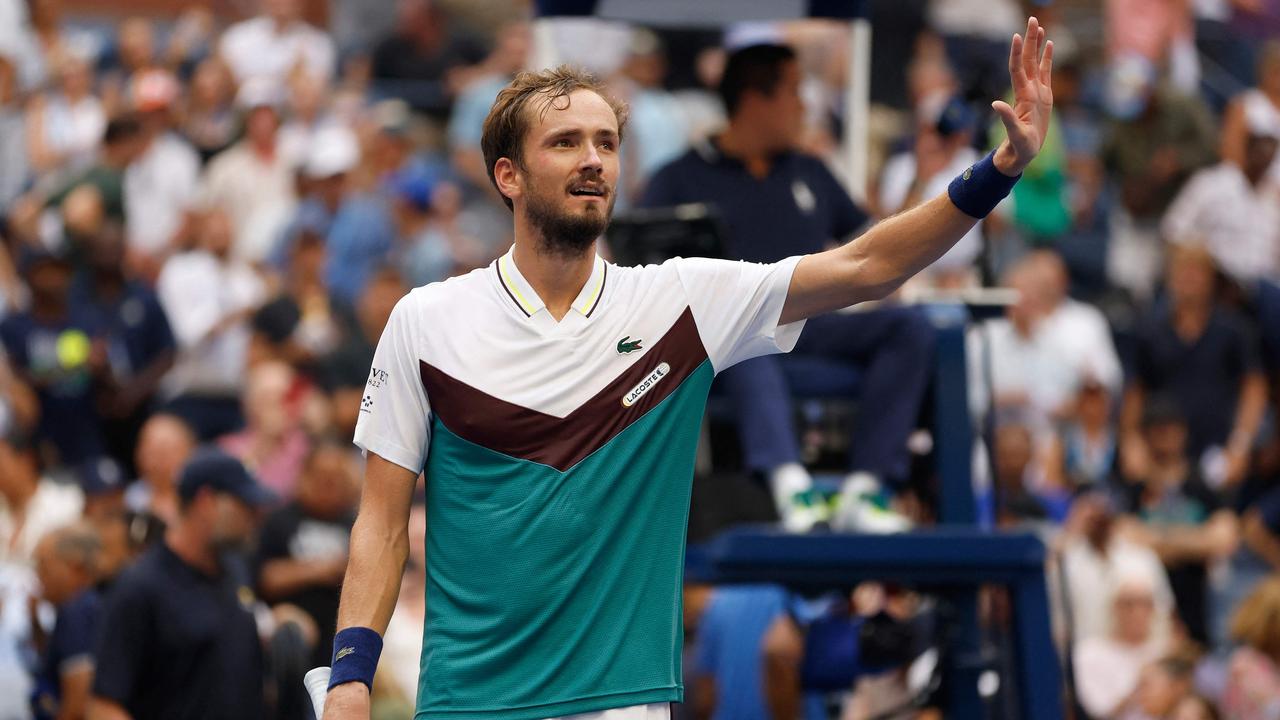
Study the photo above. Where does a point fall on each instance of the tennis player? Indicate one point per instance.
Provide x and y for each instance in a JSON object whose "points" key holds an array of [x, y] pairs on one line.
{"points": [[553, 401]]}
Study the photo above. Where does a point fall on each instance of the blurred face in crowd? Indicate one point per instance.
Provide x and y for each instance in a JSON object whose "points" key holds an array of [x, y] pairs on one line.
{"points": [[779, 115], [106, 249], [266, 399], [75, 77], [117, 550], [307, 94], [230, 522], [569, 170], [1159, 690], [1259, 152], [328, 487], [61, 578], [49, 281], [260, 127], [282, 11], [1193, 707], [137, 43], [1093, 405], [1132, 611], [1013, 454], [211, 84], [379, 299], [216, 234], [164, 446], [1192, 278], [1166, 441]]}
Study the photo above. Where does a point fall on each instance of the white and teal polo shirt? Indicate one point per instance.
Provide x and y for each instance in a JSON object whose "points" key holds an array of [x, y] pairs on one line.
{"points": [[559, 462]]}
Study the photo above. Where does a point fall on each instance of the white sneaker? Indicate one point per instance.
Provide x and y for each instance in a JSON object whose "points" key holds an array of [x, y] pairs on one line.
{"points": [[859, 508], [799, 506]]}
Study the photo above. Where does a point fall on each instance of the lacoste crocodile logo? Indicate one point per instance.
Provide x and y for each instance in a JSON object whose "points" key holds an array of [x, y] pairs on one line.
{"points": [[343, 653], [627, 346]]}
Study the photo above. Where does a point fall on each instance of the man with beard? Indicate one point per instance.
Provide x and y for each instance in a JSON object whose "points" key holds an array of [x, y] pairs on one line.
{"points": [[178, 636], [554, 402]]}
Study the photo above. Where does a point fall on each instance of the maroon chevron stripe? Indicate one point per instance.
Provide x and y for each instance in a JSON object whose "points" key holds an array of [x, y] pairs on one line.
{"points": [[561, 443]]}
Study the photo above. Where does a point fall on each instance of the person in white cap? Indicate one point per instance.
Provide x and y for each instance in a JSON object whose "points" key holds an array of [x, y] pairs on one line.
{"points": [[253, 180]]}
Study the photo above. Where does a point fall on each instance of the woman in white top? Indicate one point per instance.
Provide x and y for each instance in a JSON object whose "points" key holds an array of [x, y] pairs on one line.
{"points": [[65, 125]]}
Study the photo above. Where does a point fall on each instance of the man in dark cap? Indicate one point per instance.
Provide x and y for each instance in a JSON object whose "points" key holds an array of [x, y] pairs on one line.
{"points": [[179, 638]]}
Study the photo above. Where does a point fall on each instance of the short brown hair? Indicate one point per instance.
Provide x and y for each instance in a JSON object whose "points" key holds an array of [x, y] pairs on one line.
{"points": [[1257, 619], [508, 122]]}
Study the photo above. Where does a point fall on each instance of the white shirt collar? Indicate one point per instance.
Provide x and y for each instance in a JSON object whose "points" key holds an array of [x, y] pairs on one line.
{"points": [[523, 295]]}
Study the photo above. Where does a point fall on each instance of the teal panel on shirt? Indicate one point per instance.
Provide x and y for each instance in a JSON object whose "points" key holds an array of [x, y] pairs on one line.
{"points": [[551, 593]]}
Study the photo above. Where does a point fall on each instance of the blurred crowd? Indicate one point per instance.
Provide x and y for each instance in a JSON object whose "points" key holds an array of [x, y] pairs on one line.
{"points": [[206, 220]]}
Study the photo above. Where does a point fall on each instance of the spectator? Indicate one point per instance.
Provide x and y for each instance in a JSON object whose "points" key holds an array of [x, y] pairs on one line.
{"points": [[302, 552], [1255, 111], [209, 119], [122, 144], [424, 60], [253, 181], [67, 564], [510, 55], [1095, 556], [272, 444], [30, 505], [132, 333], [51, 349], [943, 148], [134, 53], [424, 252], [975, 33], [768, 194], [302, 323], [102, 483], [1082, 454], [728, 657], [1015, 478], [658, 131], [345, 370], [1107, 667], [1195, 707], [13, 152], [160, 186], [362, 233], [325, 176], [65, 125], [1181, 519], [307, 111], [1233, 210], [1158, 138], [1253, 682], [1081, 329], [179, 639], [1162, 686], [208, 296], [164, 446], [275, 44], [1206, 359]]}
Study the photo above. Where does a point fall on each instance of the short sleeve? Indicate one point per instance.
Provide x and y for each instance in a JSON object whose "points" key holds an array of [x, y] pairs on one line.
{"points": [[123, 638], [73, 633], [736, 306], [394, 413]]}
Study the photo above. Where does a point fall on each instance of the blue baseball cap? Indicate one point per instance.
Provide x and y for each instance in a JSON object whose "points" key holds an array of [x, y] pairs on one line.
{"points": [[214, 469], [101, 476]]}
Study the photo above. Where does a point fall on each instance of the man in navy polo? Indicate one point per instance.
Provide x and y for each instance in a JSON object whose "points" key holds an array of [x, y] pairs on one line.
{"points": [[179, 639], [776, 202]]}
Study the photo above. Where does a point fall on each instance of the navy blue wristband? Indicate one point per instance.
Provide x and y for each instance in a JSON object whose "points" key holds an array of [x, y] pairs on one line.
{"points": [[355, 656], [979, 189]]}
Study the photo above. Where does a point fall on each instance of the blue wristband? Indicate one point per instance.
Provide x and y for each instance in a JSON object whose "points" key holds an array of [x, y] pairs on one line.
{"points": [[980, 188], [355, 656]]}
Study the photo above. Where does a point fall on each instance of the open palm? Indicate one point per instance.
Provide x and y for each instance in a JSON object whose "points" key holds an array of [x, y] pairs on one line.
{"points": [[1027, 121]]}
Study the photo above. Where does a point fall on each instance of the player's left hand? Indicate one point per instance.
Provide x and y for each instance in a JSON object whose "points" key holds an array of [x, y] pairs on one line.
{"points": [[1027, 122]]}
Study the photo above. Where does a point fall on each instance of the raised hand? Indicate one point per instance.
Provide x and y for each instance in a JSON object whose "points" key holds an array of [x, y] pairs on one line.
{"points": [[1027, 122]]}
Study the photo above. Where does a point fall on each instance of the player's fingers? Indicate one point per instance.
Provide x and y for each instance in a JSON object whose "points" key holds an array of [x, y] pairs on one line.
{"points": [[1046, 64], [1015, 60], [1031, 47], [1007, 117]]}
